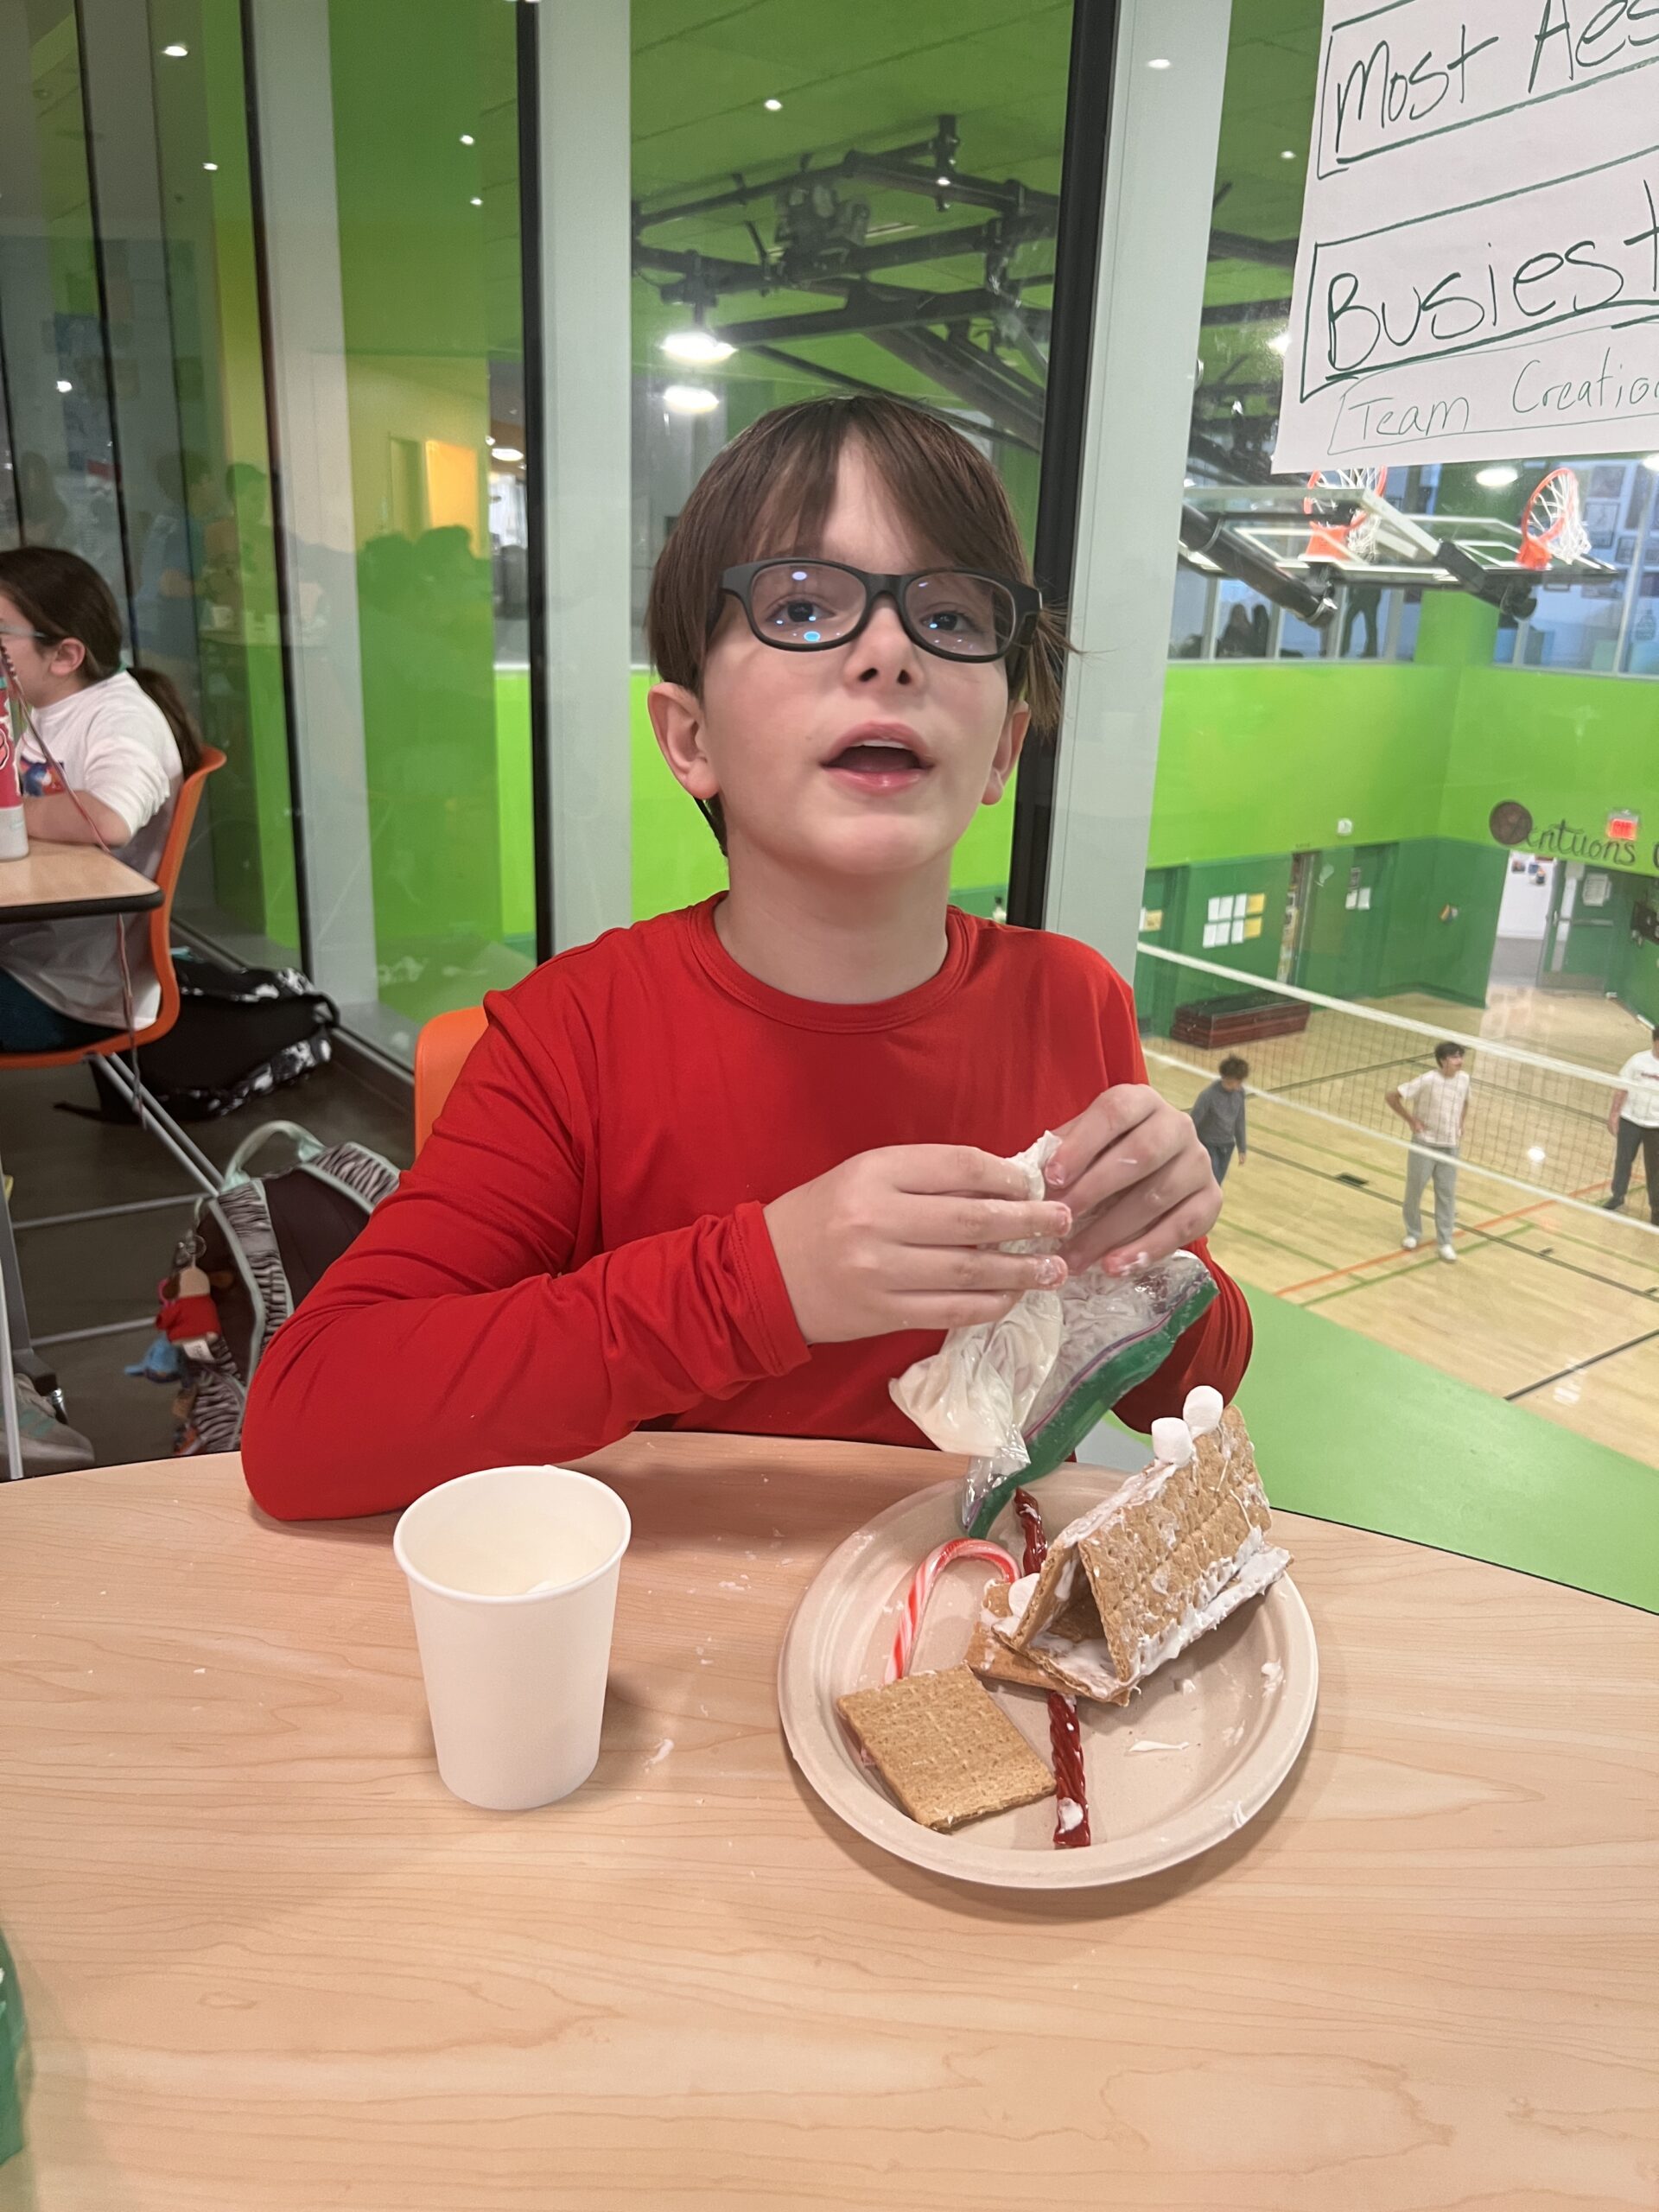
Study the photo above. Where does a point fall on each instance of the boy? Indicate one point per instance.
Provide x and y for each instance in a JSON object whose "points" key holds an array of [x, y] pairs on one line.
{"points": [[1218, 1115], [737, 1167], [1434, 1105], [1633, 1122]]}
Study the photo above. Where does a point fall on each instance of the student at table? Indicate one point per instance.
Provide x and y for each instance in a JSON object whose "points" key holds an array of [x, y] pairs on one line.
{"points": [[123, 742], [737, 1167]]}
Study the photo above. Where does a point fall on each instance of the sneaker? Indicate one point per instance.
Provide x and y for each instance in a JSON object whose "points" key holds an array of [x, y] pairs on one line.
{"points": [[1409, 1243], [1447, 1252], [50, 1446], [1612, 1206]]}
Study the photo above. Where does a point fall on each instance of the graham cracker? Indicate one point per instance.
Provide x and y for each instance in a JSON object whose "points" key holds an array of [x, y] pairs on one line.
{"points": [[944, 1750], [1122, 1584], [988, 1655]]}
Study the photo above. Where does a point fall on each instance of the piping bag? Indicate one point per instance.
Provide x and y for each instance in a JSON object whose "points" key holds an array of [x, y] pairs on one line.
{"points": [[1018, 1394]]}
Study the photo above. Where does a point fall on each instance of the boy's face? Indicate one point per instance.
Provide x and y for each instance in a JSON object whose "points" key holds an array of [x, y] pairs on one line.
{"points": [[1232, 1082], [1451, 1063], [772, 732]]}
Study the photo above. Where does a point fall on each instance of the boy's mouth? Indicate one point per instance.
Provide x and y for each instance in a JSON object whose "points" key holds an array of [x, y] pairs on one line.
{"points": [[879, 759]]}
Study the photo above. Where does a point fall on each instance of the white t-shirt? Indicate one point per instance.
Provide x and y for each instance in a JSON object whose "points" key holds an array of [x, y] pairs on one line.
{"points": [[1640, 1077], [111, 741], [1437, 1102]]}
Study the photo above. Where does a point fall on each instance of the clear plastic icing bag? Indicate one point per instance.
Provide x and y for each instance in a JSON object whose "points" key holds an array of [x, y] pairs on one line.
{"points": [[1017, 1395]]}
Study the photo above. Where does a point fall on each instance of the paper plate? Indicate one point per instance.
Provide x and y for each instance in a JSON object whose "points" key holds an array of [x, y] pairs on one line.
{"points": [[1187, 1763]]}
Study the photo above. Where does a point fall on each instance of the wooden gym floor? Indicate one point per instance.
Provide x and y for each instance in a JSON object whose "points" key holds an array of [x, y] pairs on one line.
{"points": [[1550, 1306]]}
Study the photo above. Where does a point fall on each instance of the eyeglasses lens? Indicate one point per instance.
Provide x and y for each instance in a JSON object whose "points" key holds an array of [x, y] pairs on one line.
{"points": [[965, 617], [799, 603]]}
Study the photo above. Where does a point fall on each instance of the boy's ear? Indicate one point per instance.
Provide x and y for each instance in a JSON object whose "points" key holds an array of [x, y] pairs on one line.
{"points": [[678, 722], [1009, 748]]}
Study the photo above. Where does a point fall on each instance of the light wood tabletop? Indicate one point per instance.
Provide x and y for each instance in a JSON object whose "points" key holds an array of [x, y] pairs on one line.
{"points": [[268, 1962], [53, 882]]}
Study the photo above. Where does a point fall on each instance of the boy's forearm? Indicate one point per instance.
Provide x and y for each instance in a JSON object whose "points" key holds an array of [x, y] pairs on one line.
{"points": [[366, 1398]]}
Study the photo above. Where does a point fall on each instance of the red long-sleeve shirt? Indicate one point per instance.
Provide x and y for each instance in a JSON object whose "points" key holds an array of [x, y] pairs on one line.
{"points": [[580, 1249]]}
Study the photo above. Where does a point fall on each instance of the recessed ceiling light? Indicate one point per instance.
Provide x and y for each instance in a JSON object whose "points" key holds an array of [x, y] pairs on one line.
{"points": [[1288, 154], [476, 201], [1162, 62], [1652, 462], [943, 180], [508, 452], [771, 105], [176, 53], [690, 399], [212, 168], [64, 385], [467, 139], [1280, 341], [1496, 477], [697, 347]]}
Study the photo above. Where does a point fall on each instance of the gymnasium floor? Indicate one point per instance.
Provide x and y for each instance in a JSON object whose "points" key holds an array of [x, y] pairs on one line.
{"points": [[1555, 1308]]}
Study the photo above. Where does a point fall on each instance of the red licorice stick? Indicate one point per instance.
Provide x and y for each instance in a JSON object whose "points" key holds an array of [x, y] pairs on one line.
{"points": [[1064, 1738]]}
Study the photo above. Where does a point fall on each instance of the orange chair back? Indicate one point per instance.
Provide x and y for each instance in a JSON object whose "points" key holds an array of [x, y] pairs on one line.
{"points": [[441, 1052], [161, 934]]}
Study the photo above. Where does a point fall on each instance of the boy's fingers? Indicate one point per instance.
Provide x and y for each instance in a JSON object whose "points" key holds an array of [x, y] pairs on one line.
{"points": [[968, 1270], [933, 1169], [1139, 1217], [1132, 1160], [932, 1309], [1175, 1229], [951, 1220], [1111, 1115]]}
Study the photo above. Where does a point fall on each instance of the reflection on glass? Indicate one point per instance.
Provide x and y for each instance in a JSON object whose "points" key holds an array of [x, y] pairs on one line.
{"points": [[891, 228]]}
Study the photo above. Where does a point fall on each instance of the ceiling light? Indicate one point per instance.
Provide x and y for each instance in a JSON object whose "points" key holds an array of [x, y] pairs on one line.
{"points": [[1288, 154], [1652, 462], [1537, 1154], [1280, 341], [212, 168], [64, 385], [467, 139], [772, 106], [508, 452], [1186, 483], [1496, 477], [697, 347], [176, 53], [944, 180], [1162, 62], [476, 201], [690, 399]]}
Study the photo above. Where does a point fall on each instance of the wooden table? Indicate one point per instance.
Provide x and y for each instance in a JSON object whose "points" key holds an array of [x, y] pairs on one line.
{"points": [[269, 1963], [58, 883]]}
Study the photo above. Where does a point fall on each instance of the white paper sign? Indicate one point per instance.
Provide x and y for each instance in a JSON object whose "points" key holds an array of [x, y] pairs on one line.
{"points": [[1479, 268]]}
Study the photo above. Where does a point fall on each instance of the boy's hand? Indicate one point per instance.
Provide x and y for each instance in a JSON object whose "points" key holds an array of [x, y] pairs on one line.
{"points": [[1137, 1178], [897, 1239]]}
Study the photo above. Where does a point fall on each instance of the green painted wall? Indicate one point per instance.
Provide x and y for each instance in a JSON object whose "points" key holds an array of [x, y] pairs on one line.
{"points": [[1570, 748]]}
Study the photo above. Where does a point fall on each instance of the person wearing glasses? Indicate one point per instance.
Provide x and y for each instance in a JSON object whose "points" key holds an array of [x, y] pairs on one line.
{"points": [[738, 1167], [103, 753]]}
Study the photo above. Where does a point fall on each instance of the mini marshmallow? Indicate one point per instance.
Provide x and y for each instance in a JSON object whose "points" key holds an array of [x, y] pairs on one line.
{"points": [[1019, 1595], [1172, 1442], [1202, 1411]]}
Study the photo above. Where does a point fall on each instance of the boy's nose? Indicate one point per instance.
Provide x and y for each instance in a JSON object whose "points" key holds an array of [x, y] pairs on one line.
{"points": [[884, 646]]}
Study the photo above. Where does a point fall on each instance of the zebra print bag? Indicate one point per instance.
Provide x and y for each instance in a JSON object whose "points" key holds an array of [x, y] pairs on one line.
{"points": [[263, 1244]]}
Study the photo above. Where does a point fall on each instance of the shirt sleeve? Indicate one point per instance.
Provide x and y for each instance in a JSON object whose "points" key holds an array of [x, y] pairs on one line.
{"points": [[451, 1336], [1413, 1089], [120, 768]]}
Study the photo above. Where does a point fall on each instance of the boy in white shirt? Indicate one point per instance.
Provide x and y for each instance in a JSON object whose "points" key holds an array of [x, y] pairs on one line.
{"points": [[1434, 1105], [1633, 1119]]}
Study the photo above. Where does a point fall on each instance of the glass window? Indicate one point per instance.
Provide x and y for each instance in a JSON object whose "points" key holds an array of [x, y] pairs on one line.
{"points": [[792, 212]]}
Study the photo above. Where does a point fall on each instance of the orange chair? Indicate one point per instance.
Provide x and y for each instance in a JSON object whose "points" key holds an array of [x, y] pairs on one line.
{"points": [[441, 1052], [188, 1154]]}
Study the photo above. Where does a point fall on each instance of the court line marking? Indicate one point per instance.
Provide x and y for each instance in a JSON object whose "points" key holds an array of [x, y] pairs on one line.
{"points": [[1472, 1228], [1578, 1366]]}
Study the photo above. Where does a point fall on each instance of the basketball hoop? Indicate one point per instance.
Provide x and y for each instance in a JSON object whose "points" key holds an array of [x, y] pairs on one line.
{"points": [[1552, 523], [1333, 538]]}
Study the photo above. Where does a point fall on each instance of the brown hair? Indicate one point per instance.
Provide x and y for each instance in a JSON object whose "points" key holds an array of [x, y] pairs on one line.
{"points": [[1233, 1069], [770, 490], [1448, 1052], [62, 596]]}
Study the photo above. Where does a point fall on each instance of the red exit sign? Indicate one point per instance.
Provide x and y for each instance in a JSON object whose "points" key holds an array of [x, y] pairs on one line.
{"points": [[1624, 826]]}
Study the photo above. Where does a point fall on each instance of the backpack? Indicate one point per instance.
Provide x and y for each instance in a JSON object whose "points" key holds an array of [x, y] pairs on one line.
{"points": [[261, 1245], [241, 1031]]}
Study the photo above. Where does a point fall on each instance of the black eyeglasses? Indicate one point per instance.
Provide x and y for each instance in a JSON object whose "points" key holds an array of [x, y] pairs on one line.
{"points": [[808, 607]]}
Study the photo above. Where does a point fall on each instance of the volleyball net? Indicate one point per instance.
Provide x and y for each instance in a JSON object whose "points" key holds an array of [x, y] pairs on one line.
{"points": [[1534, 1123]]}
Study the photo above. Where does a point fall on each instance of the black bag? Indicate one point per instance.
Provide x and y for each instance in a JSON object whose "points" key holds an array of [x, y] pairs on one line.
{"points": [[241, 1031], [262, 1244]]}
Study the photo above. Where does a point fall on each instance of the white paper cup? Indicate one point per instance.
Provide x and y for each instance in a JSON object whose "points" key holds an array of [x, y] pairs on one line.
{"points": [[513, 1577]]}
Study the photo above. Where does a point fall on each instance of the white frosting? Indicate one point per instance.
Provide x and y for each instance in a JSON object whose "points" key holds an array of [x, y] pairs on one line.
{"points": [[1071, 1814], [1020, 1595], [1202, 1412], [1172, 1442]]}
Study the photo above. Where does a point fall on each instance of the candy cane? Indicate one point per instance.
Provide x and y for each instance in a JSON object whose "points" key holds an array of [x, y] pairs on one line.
{"points": [[961, 1547], [1065, 1737]]}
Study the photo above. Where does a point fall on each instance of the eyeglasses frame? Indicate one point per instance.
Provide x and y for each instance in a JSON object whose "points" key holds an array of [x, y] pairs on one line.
{"points": [[1027, 605]]}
